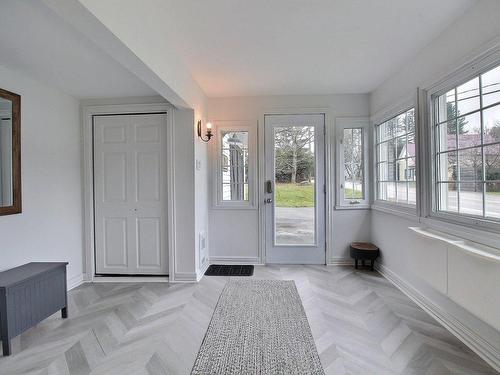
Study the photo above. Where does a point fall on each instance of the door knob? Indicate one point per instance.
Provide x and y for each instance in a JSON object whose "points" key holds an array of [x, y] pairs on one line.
{"points": [[268, 200]]}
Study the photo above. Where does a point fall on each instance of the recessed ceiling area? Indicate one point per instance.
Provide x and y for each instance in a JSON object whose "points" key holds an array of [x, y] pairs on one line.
{"points": [[36, 41], [262, 47]]}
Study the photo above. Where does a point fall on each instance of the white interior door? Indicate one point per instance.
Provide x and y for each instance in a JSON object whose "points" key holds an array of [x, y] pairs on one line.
{"points": [[295, 189], [130, 194]]}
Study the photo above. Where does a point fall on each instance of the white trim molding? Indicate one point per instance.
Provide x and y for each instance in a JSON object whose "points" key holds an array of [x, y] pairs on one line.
{"points": [[378, 119], [395, 210], [131, 279], [201, 271], [342, 123], [329, 172], [215, 173], [186, 277], [88, 112], [75, 281], [474, 68], [341, 261], [235, 260], [488, 348]]}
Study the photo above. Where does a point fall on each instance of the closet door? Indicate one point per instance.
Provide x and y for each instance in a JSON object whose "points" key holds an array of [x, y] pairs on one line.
{"points": [[130, 188]]}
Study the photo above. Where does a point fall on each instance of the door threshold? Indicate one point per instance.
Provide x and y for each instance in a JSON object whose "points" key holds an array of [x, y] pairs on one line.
{"points": [[130, 279]]}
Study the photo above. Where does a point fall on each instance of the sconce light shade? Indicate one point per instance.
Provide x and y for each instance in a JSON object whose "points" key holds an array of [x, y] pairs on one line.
{"points": [[208, 134]]}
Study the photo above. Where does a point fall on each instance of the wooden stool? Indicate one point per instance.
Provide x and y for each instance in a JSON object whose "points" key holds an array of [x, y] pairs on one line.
{"points": [[364, 251]]}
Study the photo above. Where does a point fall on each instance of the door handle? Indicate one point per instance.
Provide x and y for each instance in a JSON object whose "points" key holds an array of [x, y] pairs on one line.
{"points": [[269, 186], [268, 200]]}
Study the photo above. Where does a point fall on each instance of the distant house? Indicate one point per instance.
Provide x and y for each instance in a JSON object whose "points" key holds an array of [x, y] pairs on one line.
{"points": [[405, 170], [470, 159]]}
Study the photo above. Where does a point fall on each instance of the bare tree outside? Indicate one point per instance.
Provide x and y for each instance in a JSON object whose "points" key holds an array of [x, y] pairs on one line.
{"points": [[294, 157]]}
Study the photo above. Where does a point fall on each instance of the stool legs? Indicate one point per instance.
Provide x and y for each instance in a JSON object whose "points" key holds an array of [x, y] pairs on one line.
{"points": [[6, 348], [372, 263]]}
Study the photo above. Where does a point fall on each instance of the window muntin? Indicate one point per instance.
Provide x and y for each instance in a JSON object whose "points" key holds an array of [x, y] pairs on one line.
{"points": [[396, 160], [353, 166], [234, 165], [466, 126]]}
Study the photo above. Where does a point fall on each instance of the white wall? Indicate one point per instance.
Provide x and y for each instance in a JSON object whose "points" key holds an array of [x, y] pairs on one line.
{"points": [[148, 36], [469, 35], [184, 200], [146, 49], [201, 202], [50, 226], [467, 286], [151, 42], [234, 233]]}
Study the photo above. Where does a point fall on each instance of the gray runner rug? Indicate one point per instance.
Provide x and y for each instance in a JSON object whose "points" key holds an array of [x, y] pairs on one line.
{"points": [[258, 327]]}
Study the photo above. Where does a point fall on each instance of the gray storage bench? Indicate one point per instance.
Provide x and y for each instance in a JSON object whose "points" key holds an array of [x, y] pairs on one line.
{"points": [[29, 294]]}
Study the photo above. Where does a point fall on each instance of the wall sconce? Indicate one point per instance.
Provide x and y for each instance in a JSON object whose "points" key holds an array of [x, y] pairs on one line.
{"points": [[208, 133]]}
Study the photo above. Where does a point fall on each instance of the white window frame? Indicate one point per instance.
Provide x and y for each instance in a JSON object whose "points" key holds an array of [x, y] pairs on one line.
{"points": [[342, 123], [402, 209], [466, 73], [234, 126]]}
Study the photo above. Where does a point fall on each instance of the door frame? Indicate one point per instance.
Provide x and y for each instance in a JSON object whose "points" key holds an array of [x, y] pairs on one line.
{"points": [[329, 173], [88, 112]]}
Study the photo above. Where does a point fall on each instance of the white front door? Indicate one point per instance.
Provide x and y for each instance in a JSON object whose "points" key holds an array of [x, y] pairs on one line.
{"points": [[129, 194], [295, 189]]}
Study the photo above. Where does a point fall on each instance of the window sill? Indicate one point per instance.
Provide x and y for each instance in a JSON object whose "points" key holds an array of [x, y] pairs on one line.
{"points": [[469, 247], [404, 212], [234, 207], [353, 207], [480, 235]]}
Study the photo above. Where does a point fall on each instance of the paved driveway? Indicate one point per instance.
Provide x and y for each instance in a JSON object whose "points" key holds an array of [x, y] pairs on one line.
{"points": [[294, 225], [472, 203]]}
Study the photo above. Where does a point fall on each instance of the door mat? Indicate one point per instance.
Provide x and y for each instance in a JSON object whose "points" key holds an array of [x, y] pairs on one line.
{"points": [[229, 270]]}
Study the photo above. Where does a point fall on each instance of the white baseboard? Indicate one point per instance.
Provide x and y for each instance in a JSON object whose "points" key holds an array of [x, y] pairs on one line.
{"points": [[341, 262], [469, 336], [202, 270], [235, 260], [184, 277], [130, 279], [75, 281]]}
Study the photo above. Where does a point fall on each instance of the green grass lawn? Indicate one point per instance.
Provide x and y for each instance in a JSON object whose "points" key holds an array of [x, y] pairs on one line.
{"points": [[348, 193], [293, 195]]}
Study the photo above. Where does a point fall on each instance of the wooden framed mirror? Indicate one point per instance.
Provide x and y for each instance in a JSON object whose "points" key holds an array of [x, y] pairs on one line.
{"points": [[10, 153]]}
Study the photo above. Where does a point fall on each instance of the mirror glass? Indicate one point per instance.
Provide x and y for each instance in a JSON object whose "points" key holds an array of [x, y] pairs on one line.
{"points": [[6, 177]]}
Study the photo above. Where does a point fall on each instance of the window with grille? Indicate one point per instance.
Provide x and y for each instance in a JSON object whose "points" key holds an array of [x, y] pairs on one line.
{"points": [[466, 157], [396, 160]]}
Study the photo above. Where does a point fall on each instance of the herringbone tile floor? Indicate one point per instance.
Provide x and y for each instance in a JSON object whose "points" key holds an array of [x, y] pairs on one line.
{"points": [[360, 322]]}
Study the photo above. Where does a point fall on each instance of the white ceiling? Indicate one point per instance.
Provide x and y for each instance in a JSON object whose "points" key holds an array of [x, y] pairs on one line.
{"points": [[36, 41], [264, 47]]}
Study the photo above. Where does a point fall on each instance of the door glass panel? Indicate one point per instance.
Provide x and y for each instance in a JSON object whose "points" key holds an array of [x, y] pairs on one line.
{"points": [[294, 198], [234, 164]]}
